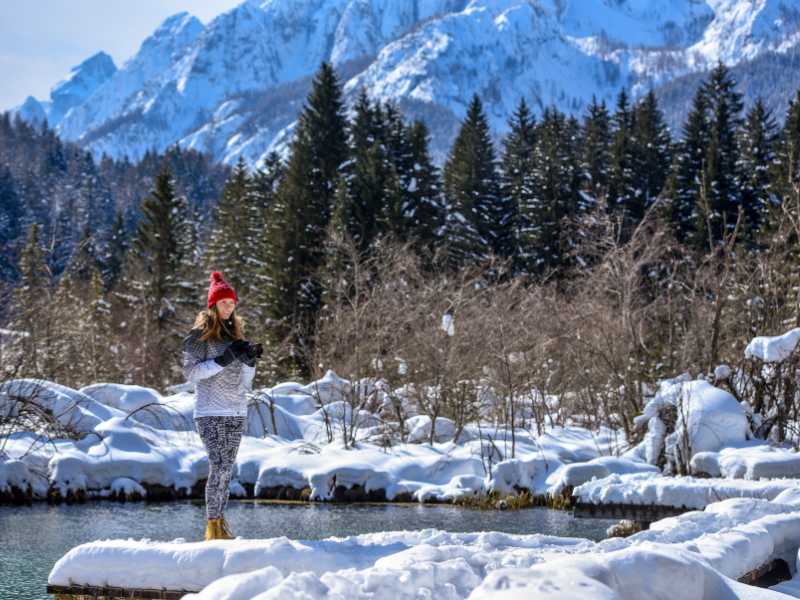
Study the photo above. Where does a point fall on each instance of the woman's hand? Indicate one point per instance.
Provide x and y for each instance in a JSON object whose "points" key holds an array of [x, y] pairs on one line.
{"points": [[237, 349]]}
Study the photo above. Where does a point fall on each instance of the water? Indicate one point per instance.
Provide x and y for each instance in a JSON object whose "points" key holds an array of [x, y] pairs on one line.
{"points": [[33, 538]]}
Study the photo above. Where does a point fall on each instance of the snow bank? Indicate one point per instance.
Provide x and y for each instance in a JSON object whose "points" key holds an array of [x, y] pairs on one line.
{"points": [[381, 558], [632, 574], [74, 410], [598, 468], [760, 461], [124, 448], [133, 438], [121, 396], [773, 349], [690, 492], [694, 555], [419, 429]]}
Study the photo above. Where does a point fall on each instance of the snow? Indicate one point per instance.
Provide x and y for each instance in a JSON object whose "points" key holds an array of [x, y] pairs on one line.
{"points": [[419, 429], [773, 349], [694, 555], [126, 435], [573, 475], [310, 438], [690, 492], [124, 397], [759, 461], [708, 419], [630, 574]]}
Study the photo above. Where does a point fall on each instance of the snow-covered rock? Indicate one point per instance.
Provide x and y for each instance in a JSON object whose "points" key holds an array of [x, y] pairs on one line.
{"points": [[72, 409], [17, 474]]}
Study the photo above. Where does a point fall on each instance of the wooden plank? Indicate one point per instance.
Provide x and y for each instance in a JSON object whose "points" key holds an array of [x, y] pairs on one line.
{"points": [[642, 513], [78, 592]]}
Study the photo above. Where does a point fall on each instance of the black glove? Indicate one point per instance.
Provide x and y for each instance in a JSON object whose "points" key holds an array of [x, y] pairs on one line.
{"points": [[237, 349], [226, 358], [240, 347], [254, 351]]}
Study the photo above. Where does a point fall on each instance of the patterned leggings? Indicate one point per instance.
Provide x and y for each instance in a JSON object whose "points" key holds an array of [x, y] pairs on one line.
{"points": [[221, 436]]}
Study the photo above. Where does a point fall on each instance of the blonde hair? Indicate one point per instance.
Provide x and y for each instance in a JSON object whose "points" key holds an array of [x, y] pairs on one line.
{"points": [[210, 323]]}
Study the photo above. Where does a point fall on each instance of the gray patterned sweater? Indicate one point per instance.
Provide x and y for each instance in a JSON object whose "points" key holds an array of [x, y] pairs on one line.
{"points": [[218, 390]]}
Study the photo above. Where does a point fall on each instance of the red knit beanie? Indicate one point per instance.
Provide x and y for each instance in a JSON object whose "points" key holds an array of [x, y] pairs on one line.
{"points": [[219, 289]]}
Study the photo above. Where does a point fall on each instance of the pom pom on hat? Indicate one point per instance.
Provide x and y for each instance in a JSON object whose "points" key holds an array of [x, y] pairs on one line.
{"points": [[219, 289]]}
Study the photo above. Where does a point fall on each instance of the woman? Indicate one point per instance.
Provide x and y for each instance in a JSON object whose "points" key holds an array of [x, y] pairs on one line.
{"points": [[221, 364]]}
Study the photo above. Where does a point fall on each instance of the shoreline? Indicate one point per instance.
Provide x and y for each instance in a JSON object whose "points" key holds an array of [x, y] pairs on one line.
{"points": [[291, 495]]}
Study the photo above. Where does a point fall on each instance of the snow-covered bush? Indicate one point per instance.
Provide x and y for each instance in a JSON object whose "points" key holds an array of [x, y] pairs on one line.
{"points": [[687, 417]]}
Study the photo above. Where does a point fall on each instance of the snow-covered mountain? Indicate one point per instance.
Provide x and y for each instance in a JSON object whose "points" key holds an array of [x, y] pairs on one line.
{"points": [[235, 86], [81, 83]]}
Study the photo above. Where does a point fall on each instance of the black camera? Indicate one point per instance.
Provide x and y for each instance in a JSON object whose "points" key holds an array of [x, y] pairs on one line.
{"points": [[255, 350]]}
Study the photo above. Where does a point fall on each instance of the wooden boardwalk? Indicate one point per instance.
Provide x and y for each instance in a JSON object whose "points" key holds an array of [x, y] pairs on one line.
{"points": [[92, 592], [641, 513]]}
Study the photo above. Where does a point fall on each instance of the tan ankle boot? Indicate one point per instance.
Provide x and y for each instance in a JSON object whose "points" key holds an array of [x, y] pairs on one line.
{"points": [[225, 532], [213, 530]]}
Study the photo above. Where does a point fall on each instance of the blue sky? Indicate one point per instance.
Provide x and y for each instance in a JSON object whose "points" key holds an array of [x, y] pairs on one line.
{"points": [[41, 40]]}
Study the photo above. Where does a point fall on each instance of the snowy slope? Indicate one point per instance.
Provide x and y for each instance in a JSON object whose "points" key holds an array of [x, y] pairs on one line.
{"points": [[235, 86]]}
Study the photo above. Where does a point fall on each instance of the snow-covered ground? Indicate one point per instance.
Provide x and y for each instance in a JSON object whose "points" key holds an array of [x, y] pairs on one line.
{"points": [[156, 445], [125, 439], [697, 555], [132, 438]]}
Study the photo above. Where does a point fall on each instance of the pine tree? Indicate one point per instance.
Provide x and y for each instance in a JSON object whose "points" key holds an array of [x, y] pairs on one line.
{"points": [[67, 343], [161, 275], [33, 315], [101, 349], [11, 222], [517, 169], [757, 139], [115, 249], [299, 215], [267, 178], [554, 199], [361, 190], [652, 153], [399, 191], [595, 158], [231, 243], [423, 207], [683, 186], [623, 196], [84, 259], [780, 234], [265, 182], [478, 218], [720, 195], [786, 167]]}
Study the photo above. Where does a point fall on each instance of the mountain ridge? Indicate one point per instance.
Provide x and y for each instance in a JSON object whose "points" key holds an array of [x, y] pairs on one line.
{"points": [[235, 86]]}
